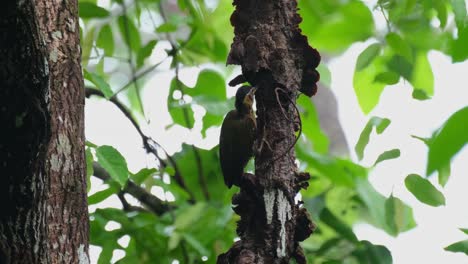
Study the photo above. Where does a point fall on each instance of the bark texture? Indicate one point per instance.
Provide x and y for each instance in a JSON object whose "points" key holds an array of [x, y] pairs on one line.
{"points": [[44, 215], [276, 58]]}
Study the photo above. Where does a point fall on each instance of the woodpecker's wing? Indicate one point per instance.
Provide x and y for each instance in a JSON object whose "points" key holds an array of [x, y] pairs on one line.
{"points": [[226, 147], [235, 146]]}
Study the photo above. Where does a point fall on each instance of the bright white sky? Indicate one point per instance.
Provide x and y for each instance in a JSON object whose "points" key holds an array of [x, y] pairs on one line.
{"points": [[437, 227]]}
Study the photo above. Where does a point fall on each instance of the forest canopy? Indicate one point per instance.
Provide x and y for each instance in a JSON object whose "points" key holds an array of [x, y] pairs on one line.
{"points": [[162, 66]]}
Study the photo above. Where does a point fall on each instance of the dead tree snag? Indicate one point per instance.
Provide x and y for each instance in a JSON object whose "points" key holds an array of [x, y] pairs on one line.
{"points": [[275, 58]]}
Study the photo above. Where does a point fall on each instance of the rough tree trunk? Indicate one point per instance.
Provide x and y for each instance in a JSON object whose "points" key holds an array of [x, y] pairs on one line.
{"points": [[276, 58], [43, 215]]}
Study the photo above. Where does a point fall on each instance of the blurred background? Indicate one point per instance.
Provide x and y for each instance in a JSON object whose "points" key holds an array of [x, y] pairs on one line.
{"points": [[383, 137]]}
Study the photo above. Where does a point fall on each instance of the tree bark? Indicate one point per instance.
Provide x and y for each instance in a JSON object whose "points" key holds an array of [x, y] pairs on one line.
{"points": [[44, 215], [276, 58]]}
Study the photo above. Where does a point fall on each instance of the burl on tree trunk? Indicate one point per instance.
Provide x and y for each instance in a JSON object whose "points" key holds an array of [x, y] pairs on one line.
{"points": [[277, 59]]}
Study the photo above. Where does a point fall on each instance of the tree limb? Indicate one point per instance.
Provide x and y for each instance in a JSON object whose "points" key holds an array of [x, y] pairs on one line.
{"points": [[149, 144], [153, 203]]}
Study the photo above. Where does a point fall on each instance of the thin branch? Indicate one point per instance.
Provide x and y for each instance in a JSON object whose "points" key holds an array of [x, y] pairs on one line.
{"points": [[130, 55], [153, 203], [150, 145], [175, 49], [137, 77], [389, 28], [198, 160]]}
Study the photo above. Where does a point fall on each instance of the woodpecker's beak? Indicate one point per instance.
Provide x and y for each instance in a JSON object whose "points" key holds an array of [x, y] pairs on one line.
{"points": [[251, 93]]}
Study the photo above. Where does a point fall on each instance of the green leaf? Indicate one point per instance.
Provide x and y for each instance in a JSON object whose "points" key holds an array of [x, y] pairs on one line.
{"points": [[400, 46], [368, 253], [192, 241], [388, 77], [102, 195], [130, 33], [187, 216], [458, 46], [145, 52], [420, 95], [397, 215], [464, 230], [423, 78], [389, 154], [340, 171], [179, 193], [450, 139], [444, 174], [441, 8], [87, 45], [166, 27], [181, 112], [210, 120], [100, 83], [367, 56], [204, 46], [90, 144], [209, 84], [378, 211], [90, 10], [105, 40], [174, 240], [207, 166], [311, 125], [134, 97], [401, 66], [367, 90], [142, 175], [332, 26], [426, 141], [341, 228], [89, 162], [424, 191], [114, 163], [380, 124], [459, 247], [89, 168], [459, 10]]}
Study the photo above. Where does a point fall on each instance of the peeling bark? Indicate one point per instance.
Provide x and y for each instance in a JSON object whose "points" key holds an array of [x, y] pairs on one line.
{"points": [[276, 58], [43, 186]]}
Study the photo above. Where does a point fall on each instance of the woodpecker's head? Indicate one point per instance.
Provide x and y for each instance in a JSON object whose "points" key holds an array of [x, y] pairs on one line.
{"points": [[245, 97]]}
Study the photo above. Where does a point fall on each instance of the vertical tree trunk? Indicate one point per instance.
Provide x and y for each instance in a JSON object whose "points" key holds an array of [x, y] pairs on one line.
{"points": [[44, 215], [276, 58]]}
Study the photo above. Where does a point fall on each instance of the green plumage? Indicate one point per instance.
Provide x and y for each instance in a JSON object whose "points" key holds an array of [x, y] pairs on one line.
{"points": [[237, 137]]}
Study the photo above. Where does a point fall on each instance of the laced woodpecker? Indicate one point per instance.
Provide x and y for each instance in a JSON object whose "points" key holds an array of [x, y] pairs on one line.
{"points": [[237, 137]]}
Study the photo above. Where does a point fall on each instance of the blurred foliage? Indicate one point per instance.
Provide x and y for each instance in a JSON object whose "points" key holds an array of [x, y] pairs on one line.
{"points": [[136, 38]]}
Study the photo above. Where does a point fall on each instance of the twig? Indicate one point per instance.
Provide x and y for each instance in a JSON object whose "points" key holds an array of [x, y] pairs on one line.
{"points": [[201, 176], [149, 144], [130, 56], [153, 203], [138, 76], [385, 17]]}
